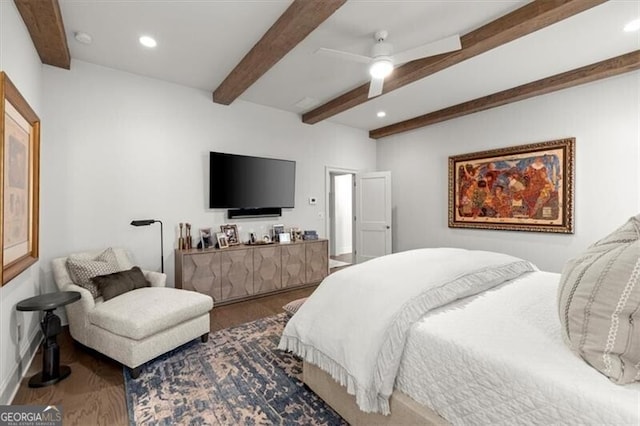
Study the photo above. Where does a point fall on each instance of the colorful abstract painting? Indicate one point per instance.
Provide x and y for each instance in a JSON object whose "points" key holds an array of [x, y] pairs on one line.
{"points": [[522, 188]]}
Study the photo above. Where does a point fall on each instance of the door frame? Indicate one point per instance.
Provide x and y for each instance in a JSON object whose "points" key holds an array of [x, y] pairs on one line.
{"points": [[328, 170]]}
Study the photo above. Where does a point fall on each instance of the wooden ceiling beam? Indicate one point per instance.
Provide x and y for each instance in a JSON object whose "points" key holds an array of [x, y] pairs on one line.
{"points": [[604, 69], [300, 18], [521, 22], [44, 23]]}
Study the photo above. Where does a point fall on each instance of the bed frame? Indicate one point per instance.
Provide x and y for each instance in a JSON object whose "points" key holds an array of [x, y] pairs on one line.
{"points": [[404, 410]]}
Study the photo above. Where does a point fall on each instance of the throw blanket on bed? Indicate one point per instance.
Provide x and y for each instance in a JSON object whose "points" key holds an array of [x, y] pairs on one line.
{"points": [[355, 324]]}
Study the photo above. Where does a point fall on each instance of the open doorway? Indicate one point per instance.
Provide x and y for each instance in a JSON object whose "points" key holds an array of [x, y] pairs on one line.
{"points": [[340, 214]]}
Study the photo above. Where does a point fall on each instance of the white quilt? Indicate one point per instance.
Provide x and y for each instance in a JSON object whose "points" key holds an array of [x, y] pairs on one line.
{"points": [[354, 325], [498, 358]]}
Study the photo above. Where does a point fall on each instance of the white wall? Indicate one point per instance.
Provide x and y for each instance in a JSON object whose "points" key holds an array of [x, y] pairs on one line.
{"points": [[19, 59], [122, 147], [604, 117], [343, 213]]}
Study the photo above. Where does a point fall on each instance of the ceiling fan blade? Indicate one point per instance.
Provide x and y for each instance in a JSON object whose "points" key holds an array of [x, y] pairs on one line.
{"points": [[375, 88], [437, 47], [345, 55]]}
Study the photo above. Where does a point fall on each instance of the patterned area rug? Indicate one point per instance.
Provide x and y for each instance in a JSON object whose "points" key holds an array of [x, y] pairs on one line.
{"points": [[237, 378]]}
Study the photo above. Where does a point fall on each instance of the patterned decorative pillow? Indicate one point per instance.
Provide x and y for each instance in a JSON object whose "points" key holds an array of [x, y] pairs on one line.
{"points": [[292, 307], [82, 269], [599, 304]]}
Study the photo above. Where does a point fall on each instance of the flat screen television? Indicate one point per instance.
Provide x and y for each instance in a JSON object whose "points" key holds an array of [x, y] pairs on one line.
{"points": [[244, 182]]}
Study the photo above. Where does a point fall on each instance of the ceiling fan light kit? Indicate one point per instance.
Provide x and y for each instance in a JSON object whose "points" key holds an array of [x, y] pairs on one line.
{"points": [[381, 68]]}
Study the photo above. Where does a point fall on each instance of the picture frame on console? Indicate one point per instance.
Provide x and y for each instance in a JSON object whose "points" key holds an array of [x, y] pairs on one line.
{"points": [[222, 240], [205, 238], [284, 237], [231, 232], [20, 151]]}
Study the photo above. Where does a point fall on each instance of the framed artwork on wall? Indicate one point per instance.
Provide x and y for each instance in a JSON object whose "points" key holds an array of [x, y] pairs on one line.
{"points": [[520, 188], [20, 157]]}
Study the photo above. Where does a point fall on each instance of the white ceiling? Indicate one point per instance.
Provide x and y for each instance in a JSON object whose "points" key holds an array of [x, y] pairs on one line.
{"points": [[200, 42]]}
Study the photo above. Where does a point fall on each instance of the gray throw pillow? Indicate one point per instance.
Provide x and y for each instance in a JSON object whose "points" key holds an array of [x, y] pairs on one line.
{"points": [[82, 269], [599, 304], [115, 284]]}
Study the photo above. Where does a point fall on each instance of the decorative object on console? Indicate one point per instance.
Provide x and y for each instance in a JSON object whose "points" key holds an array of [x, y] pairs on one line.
{"points": [[252, 238], [296, 234], [181, 238], [205, 238], [522, 188], [231, 232], [20, 145], [284, 237], [277, 230], [147, 222], [310, 235], [222, 240], [188, 240]]}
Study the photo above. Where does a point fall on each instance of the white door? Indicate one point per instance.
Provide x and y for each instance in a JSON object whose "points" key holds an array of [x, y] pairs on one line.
{"points": [[373, 215]]}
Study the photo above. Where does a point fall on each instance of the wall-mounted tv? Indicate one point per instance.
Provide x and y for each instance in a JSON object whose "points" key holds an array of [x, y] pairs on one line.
{"points": [[244, 182]]}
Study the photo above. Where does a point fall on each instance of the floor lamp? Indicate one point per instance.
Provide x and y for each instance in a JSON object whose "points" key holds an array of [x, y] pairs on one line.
{"points": [[147, 222]]}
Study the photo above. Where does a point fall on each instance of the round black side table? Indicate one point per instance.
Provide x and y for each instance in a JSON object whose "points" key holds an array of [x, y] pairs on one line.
{"points": [[52, 371]]}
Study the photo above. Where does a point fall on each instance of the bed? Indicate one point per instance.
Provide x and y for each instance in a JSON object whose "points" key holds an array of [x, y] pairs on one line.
{"points": [[493, 354]]}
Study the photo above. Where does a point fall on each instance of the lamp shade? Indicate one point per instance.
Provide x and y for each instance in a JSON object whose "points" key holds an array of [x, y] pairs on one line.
{"points": [[143, 222]]}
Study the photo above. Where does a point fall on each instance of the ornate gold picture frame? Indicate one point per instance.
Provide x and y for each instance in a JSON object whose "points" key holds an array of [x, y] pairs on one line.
{"points": [[20, 181], [521, 188]]}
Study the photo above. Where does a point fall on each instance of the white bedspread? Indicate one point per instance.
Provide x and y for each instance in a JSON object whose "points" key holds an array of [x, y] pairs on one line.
{"points": [[498, 358], [355, 324]]}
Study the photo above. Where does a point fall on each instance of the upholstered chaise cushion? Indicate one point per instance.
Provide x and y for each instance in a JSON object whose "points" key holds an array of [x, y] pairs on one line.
{"points": [[82, 269], [112, 285], [599, 304], [143, 312]]}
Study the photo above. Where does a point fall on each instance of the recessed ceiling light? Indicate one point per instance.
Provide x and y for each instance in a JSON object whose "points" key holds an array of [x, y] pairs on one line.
{"points": [[381, 114], [81, 37], [632, 26], [147, 41]]}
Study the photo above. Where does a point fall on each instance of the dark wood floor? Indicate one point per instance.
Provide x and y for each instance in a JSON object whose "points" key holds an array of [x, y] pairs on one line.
{"points": [[94, 393]]}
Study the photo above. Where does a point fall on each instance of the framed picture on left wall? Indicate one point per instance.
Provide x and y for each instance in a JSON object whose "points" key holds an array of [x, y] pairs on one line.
{"points": [[20, 157]]}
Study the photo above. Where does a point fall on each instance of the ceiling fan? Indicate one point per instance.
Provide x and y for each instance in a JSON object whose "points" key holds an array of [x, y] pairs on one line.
{"points": [[382, 59]]}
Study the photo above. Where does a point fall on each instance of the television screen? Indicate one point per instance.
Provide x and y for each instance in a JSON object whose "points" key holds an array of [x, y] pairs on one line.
{"points": [[242, 182]]}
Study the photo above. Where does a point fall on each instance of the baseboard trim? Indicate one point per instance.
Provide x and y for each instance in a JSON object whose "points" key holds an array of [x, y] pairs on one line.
{"points": [[12, 383]]}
